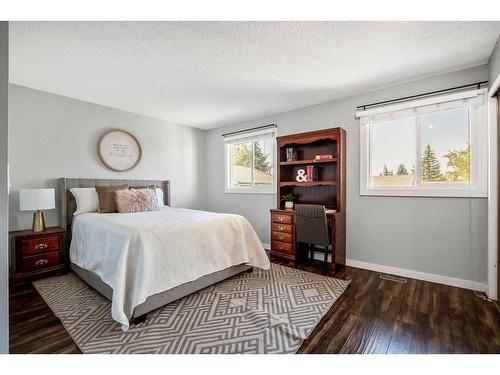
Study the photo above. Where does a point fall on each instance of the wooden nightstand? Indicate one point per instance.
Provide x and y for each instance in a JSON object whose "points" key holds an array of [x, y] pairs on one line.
{"points": [[37, 253]]}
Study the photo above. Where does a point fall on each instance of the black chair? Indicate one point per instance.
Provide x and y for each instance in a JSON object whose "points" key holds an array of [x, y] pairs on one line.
{"points": [[311, 228]]}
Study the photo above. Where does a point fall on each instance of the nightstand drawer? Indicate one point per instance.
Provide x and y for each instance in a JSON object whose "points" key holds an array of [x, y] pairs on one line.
{"points": [[282, 246], [280, 218], [38, 245], [283, 237], [41, 261], [286, 228]]}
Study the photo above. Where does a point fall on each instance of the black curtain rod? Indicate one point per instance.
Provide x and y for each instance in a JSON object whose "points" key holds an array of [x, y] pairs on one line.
{"points": [[251, 129], [364, 106]]}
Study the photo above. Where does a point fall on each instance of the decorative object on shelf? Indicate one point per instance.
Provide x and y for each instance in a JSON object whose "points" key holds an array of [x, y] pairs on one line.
{"points": [[37, 200], [323, 157], [119, 150], [291, 154], [301, 175], [311, 173], [288, 199]]}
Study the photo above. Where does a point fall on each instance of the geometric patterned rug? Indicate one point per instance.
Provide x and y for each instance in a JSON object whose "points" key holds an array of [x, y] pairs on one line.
{"points": [[270, 311]]}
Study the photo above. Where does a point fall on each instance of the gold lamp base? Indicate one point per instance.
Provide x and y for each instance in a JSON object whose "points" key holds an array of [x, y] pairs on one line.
{"points": [[38, 221]]}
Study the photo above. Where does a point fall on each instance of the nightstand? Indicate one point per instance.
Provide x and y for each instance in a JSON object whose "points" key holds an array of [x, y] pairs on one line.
{"points": [[37, 253]]}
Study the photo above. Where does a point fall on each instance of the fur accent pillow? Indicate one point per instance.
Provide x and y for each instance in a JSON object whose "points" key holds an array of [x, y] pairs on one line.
{"points": [[136, 200]]}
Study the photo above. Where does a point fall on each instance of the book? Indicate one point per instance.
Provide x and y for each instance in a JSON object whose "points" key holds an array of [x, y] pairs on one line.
{"points": [[314, 173], [311, 173], [323, 157]]}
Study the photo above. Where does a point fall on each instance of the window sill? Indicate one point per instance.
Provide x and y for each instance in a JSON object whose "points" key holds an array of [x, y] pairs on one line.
{"points": [[249, 191], [428, 192]]}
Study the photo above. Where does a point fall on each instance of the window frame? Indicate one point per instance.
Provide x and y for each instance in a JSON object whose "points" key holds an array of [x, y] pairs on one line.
{"points": [[478, 186], [247, 137]]}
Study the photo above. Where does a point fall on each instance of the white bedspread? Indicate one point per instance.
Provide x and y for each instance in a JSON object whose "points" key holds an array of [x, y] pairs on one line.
{"points": [[141, 254]]}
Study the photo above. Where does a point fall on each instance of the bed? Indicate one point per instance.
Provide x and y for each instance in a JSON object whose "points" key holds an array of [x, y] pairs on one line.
{"points": [[142, 261]]}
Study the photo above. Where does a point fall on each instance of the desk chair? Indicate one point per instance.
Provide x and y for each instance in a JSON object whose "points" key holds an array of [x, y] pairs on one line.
{"points": [[311, 228]]}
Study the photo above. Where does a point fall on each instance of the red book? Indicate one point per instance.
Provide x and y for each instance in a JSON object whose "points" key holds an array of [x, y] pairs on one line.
{"points": [[323, 157], [308, 174]]}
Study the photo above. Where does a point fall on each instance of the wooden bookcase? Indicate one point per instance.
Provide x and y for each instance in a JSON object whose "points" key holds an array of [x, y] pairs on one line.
{"points": [[327, 190]]}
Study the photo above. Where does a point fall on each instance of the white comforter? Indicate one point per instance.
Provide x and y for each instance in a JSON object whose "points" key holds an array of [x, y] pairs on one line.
{"points": [[141, 254]]}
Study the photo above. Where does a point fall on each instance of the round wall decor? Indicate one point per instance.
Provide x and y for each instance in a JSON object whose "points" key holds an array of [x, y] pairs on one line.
{"points": [[119, 150]]}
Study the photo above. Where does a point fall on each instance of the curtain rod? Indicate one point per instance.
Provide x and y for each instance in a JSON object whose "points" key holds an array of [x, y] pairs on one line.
{"points": [[364, 106], [251, 129]]}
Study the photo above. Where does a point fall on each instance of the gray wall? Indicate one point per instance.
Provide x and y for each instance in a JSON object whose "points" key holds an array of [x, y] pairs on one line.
{"points": [[4, 79], [54, 136], [445, 236], [494, 63]]}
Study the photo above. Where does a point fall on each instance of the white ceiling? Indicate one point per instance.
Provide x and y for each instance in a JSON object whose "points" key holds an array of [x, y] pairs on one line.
{"points": [[210, 74]]}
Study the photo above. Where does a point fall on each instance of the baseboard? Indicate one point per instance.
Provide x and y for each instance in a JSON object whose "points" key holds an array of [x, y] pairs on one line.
{"points": [[446, 280], [439, 279]]}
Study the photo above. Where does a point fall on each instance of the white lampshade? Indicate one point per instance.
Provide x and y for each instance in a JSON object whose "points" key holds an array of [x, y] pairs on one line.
{"points": [[36, 199]]}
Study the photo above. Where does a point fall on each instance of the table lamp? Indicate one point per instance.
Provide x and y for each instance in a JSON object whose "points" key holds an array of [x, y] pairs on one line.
{"points": [[37, 200]]}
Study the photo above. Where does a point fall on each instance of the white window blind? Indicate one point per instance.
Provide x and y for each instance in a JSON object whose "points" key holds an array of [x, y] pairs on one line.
{"points": [[472, 98]]}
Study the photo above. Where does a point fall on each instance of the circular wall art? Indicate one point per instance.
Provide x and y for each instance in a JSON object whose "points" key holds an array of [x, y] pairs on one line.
{"points": [[119, 150]]}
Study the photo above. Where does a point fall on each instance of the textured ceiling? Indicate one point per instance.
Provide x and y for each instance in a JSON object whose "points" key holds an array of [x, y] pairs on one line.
{"points": [[209, 74]]}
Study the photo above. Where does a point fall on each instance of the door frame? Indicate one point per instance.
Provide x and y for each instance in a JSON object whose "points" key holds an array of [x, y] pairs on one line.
{"points": [[493, 189]]}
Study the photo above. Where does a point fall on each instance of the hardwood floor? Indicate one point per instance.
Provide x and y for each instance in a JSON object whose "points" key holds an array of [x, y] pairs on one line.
{"points": [[372, 316]]}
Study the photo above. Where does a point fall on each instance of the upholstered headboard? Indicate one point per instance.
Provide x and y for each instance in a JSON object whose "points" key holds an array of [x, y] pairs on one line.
{"points": [[67, 203]]}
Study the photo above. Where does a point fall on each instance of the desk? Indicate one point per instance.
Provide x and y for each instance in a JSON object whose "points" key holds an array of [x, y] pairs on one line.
{"points": [[283, 236]]}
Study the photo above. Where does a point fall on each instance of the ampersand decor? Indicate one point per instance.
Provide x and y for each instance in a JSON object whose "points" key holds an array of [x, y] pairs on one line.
{"points": [[301, 175]]}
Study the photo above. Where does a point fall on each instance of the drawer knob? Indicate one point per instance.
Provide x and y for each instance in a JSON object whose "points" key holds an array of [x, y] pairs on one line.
{"points": [[281, 236], [41, 246], [281, 227], [41, 262], [281, 218]]}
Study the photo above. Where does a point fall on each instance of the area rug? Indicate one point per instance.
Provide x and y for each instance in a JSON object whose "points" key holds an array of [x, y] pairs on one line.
{"points": [[271, 311]]}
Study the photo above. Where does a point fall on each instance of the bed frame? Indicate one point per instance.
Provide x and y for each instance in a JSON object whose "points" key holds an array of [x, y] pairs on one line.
{"points": [[67, 207]]}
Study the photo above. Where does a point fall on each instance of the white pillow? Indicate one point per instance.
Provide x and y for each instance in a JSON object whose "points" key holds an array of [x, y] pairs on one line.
{"points": [[159, 198], [87, 200]]}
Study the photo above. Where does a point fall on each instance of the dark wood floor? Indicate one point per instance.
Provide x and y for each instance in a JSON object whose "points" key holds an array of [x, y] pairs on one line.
{"points": [[372, 316]]}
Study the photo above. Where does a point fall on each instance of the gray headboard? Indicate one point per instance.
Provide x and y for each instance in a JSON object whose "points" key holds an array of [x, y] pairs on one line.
{"points": [[67, 204]]}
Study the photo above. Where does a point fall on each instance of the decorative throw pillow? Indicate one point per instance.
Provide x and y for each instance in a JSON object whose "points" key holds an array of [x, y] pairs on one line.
{"points": [[106, 198], [159, 198], [159, 193], [136, 200], [86, 200]]}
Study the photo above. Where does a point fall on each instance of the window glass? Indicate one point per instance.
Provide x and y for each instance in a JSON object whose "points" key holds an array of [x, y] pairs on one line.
{"points": [[263, 162], [445, 147], [392, 159], [250, 164], [241, 164]]}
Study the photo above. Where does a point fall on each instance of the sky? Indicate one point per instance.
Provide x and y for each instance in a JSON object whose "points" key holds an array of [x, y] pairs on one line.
{"points": [[393, 142]]}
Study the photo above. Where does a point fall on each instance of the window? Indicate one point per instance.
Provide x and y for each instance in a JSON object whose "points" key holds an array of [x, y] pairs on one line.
{"points": [[429, 147], [249, 161]]}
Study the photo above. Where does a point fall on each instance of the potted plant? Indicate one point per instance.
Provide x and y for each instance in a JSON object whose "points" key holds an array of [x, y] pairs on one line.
{"points": [[288, 199]]}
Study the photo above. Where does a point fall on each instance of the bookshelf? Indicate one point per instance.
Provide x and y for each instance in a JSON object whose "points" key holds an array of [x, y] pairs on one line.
{"points": [[327, 189]]}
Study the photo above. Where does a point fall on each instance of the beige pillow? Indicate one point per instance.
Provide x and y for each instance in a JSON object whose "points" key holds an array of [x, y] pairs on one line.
{"points": [[106, 198], [136, 200]]}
